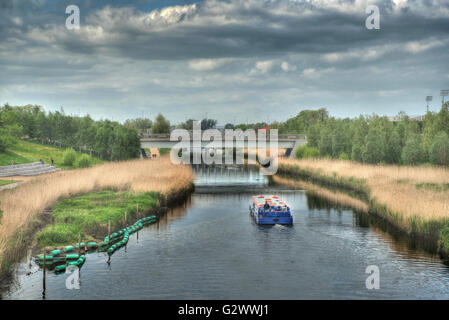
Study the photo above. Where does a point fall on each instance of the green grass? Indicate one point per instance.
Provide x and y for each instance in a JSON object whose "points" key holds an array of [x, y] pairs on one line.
{"points": [[163, 151], [26, 152], [89, 214], [433, 186], [5, 182]]}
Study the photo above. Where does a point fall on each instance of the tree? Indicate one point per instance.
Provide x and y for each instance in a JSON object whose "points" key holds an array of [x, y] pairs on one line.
{"points": [[429, 132], [313, 135], [188, 125], [443, 118], [304, 119], [161, 125], [325, 143], [359, 130], [85, 136], [357, 150], [10, 131], [412, 152], [340, 140], [439, 151], [374, 148], [139, 124], [103, 137], [208, 124], [229, 126], [45, 129], [393, 148]]}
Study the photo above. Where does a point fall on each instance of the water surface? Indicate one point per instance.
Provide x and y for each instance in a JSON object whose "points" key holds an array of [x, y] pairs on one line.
{"points": [[212, 249]]}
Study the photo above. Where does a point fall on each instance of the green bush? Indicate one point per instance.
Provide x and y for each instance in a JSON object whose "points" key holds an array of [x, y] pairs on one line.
{"points": [[299, 153], [444, 238], [307, 152], [84, 161], [343, 156], [163, 151], [311, 152], [69, 157]]}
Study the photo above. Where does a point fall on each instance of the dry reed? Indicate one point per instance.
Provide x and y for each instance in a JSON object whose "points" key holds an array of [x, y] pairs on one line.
{"points": [[24, 203], [390, 185]]}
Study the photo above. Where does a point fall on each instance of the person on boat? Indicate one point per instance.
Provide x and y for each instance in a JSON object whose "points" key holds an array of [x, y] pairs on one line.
{"points": [[266, 206]]}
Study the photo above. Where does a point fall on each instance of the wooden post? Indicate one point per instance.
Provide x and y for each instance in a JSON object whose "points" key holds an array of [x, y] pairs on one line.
{"points": [[109, 240], [125, 218], [109, 233], [79, 245], [44, 276], [138, 213]]}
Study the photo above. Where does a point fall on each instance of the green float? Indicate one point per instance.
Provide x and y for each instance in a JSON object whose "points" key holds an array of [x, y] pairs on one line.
{"points": [[111, 244]]}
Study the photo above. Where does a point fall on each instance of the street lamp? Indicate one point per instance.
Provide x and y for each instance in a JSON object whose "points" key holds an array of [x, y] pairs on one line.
{"points": [[444, 93], [428, 99]]}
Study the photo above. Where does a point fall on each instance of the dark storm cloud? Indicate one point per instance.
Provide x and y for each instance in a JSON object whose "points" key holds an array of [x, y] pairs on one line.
{"points": [[218, 54], [258, 28]]}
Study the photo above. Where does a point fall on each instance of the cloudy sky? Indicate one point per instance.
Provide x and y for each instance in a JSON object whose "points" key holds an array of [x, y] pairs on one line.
{"points": [[233, 60]]}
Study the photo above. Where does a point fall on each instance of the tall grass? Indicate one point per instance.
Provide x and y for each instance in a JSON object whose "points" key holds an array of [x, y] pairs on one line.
{"points": [[24, 204], [397, 187], [413, 198]]}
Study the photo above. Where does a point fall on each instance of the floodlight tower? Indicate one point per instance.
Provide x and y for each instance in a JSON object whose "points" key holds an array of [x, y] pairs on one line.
{"points": [[444, 93], [428, 99]]}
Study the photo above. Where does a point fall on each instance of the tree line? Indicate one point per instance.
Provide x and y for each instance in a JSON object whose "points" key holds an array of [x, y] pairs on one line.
{"points": [[367, 138], [110, 140], [373, 139]]}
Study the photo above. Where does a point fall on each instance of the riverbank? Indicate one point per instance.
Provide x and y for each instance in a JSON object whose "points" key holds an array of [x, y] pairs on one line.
{"points": [[88, 215], [4, 182], [28, 208], [27, 151], [414, 200]]}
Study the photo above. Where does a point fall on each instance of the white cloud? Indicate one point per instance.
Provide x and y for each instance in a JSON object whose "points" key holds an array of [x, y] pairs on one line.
{"points": [[266, 66], [287, 67], [420, 46], [313, 73], [262, 67], [207, 64]]}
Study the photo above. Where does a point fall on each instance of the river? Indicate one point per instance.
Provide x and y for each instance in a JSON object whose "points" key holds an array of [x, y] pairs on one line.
{"points": [[212, 249]]}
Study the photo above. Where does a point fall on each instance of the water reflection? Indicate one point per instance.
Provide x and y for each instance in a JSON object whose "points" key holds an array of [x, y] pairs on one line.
{"points": [[402, 243]]}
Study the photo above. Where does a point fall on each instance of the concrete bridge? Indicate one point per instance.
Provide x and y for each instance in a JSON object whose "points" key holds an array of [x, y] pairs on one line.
{"points": [[285, 141]]}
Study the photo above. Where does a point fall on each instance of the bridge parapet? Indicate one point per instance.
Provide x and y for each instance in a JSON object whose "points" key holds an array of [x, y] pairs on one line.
{"points": [[166, 136]]}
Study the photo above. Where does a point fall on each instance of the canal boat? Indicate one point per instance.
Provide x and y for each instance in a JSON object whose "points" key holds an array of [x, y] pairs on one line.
{"points": [[270, 209]]}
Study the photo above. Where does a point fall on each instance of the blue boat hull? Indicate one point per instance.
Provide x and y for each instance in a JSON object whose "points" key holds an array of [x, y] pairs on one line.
{"points": [[271, 218]]}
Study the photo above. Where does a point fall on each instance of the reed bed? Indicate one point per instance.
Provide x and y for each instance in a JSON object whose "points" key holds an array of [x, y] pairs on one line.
{"points": [[25, 203], [398, 190]]}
